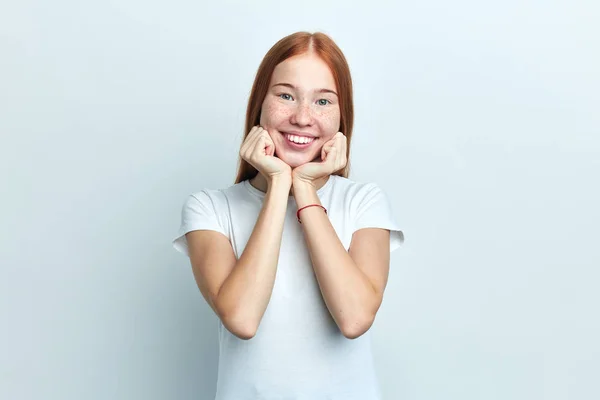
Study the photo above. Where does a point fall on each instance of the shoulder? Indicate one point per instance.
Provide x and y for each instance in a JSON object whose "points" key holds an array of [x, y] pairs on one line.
{"points": [[359, 198], [354, 190], [217, 196], [213, 204]]}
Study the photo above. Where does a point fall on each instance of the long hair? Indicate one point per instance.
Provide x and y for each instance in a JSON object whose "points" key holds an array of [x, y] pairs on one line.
{"points": [[292, 45]]}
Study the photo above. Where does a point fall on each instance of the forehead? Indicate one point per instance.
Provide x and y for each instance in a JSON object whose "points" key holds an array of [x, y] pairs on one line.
{"points": [[307, 71]]}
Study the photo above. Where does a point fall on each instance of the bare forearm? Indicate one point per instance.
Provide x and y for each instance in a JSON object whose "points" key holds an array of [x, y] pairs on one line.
{"points": [[245, 294], [347, 292]]}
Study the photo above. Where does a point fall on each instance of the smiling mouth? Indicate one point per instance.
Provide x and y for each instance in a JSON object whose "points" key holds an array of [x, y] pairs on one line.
{"points": [[298, 140]]}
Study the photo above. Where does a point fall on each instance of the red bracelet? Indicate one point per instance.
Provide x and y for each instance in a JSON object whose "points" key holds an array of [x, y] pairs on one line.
{"points": [[310, 205]]}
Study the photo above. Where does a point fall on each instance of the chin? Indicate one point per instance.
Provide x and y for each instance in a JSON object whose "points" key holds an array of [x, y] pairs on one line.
{"points": [[294, 160]]}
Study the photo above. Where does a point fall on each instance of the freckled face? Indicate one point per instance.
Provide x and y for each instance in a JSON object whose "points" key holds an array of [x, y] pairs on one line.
{"points": [[301, 101]]}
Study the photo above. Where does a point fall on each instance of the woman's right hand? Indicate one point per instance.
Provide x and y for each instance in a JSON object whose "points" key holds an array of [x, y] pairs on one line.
{"points": [[258, 150]]}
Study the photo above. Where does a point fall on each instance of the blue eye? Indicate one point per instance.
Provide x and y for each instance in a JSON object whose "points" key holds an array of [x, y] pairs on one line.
{"points": [[323, 104], [285, 94]]}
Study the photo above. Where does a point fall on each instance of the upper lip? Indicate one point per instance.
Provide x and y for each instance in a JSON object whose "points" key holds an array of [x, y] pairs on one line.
{"points": [[301, 134]]}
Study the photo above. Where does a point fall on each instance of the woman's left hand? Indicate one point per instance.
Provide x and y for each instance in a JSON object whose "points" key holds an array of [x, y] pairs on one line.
{"points": [[333, 156]]}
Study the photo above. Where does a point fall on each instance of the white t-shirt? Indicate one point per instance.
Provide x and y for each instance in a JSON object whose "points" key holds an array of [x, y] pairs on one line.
{"points": [[298, 352]]}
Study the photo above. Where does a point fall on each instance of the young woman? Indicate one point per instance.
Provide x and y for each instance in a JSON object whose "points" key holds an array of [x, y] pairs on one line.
{"points": [[293, 258]]}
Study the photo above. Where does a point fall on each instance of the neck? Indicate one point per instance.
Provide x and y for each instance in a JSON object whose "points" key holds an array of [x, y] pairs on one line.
{"points": [[260, 182]]}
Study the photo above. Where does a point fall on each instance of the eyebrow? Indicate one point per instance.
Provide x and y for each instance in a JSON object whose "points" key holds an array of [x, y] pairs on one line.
{"points": [[294, 87]]}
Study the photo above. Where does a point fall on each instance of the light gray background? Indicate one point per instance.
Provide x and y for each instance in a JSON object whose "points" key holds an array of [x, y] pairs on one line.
{"points": [[480, 121]]}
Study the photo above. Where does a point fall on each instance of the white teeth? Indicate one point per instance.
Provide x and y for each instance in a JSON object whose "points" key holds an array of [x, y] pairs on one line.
{"points": [[299, 139]]}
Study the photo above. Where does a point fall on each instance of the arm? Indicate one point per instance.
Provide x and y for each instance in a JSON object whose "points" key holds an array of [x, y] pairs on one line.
{"points": [[239, 290], [352, 283]]}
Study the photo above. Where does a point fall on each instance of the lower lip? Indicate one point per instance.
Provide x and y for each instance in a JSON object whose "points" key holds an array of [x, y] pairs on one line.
{"points": [[297, 146]]}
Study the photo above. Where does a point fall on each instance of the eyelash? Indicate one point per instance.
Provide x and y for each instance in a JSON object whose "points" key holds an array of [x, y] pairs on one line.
{"points": [[287, 94]]}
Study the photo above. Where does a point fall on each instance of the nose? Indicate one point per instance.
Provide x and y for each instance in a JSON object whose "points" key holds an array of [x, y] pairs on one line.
{"points": [[302, 115]]}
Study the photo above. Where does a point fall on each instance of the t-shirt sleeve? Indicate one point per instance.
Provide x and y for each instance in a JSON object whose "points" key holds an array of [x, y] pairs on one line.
{"points": [[375, 211], [198, 213]]}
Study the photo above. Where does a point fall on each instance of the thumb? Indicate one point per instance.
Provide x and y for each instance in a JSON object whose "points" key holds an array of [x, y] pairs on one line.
{"points": [[269, 147], [330, 154]]}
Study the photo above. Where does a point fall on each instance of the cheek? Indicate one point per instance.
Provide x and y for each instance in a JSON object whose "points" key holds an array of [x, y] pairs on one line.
{"points": [[272, 114], [330, 122]]}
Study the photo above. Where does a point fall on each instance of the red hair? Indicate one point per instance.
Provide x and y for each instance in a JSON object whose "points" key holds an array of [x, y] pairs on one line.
{"points": [[293, 45]]}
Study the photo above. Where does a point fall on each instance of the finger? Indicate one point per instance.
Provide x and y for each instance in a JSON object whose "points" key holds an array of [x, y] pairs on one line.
{"points": [[253, 132], [331, 159], [252, 143], [328, 153], [269, 148], [260, 145], [341, 153], [263, 132], [248, 139], [324, 151], [264, 144], [342, 156]]}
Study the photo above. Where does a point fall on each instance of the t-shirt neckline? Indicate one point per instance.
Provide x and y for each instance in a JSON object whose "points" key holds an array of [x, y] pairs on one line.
{"points": [[262, 194]]}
